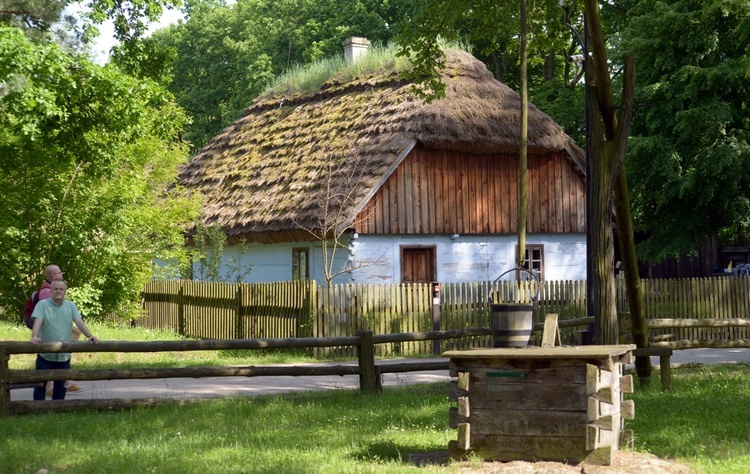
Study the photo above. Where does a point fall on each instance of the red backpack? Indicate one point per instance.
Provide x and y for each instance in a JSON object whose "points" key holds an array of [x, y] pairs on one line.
{"points": [[28, 308]]}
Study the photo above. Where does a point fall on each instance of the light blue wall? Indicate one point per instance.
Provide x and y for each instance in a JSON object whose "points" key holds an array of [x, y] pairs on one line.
{"points": [[273, 262], [468, 258], [377, 258]]}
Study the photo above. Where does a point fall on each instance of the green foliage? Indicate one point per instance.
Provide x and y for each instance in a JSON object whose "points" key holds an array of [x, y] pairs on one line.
{"points": [[492, 28], [41, 19], [689, 157], [86, 298], [564, 105], [207, 256], [51, 20], [226, 55], [130, 17], [89, 157]]}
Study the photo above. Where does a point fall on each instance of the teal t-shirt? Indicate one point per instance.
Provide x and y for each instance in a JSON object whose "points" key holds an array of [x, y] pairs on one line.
{"points": [[57, 325]]}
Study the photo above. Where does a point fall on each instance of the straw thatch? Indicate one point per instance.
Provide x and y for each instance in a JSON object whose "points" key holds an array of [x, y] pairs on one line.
{"points": [[271, 171]]}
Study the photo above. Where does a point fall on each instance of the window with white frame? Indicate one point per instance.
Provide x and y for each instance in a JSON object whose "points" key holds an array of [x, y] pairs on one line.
{"points": [[534, 261]]}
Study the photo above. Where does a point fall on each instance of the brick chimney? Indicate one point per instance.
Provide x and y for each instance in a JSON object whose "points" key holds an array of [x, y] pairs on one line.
{"points": [[354, 47]]}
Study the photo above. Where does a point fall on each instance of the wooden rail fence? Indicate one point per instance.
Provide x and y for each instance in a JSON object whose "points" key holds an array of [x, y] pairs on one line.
{"points": [[365, 342]]}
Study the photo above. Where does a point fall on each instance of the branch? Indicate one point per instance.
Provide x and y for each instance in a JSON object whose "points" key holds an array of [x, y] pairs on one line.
{"points": [[620, 141], [61, 207], [601, 71]]}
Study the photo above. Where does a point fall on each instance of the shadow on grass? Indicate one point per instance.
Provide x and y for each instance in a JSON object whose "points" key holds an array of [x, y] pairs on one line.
{"points": [[413, 455]]}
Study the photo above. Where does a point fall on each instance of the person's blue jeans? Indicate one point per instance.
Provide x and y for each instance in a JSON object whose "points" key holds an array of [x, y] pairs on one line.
{"points": [[58, 390]]}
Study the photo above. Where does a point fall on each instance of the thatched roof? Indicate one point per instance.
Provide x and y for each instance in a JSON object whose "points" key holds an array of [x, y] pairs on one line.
{"points": [[268, 171]]}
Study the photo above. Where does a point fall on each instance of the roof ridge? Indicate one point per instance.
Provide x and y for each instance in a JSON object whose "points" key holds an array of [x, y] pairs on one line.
{"points": [[329, 90]]}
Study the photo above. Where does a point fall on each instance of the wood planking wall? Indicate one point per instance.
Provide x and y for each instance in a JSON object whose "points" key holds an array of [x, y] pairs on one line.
{"points": [[447, 192]]}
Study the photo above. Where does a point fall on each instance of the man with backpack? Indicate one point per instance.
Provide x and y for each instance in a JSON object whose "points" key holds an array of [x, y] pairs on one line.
{"points": [[51, 273], [53, 321]]}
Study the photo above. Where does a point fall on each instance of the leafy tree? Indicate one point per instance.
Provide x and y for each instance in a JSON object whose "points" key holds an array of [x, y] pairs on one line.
{"points": [[88, 157], [48, 19], [225, 55], [42, 19], [493, 29], [207, 256], [689, 157]]}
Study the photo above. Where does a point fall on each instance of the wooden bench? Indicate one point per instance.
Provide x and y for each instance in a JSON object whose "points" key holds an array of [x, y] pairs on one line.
{"points": [[551, 337], [665, 363]]}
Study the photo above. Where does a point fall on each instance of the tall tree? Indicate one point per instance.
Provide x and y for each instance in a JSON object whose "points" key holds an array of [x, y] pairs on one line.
{"points": [[88, 157], [689, 157], [226, 55], [51, 20]]}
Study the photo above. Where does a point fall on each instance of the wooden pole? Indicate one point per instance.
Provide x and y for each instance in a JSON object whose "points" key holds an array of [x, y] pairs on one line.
{"points": [[523, 157], [4, 390], [369, 379]]}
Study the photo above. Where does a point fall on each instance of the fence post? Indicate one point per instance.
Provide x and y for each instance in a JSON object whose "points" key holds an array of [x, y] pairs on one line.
{"points": [[435, 315], [4, 390], [369, 379], [238, 313], [181, 310]]}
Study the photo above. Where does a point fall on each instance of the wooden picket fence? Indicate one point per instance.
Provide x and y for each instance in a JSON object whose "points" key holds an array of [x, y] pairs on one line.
{"points": [[723, 298], [208, 310], [217, 310]]}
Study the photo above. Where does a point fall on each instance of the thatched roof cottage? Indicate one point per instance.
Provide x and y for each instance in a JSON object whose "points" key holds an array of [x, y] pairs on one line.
{"points": [[412, 191]]}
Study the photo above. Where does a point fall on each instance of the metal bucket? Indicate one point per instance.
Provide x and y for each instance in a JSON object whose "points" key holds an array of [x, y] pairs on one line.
{"points": [[511, 324]]}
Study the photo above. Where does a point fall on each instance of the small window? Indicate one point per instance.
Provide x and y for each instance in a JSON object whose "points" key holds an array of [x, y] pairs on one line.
{"points": [[534, 261], [418, 264], [300, 260]]}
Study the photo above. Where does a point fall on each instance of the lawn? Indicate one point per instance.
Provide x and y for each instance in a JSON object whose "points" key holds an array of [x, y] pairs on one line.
{"points": [[703, 422]]}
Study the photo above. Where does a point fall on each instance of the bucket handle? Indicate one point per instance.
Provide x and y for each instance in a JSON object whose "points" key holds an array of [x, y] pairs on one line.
{"points": [[534, 299]]}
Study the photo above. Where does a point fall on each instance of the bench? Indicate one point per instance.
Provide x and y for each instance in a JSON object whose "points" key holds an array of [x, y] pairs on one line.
{"points": [[665, 364], [551, 337]]}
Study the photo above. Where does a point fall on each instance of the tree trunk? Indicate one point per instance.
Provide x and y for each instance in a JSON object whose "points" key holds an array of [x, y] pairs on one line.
{"points": [[632, 278], [609, 141], [600, 221]]}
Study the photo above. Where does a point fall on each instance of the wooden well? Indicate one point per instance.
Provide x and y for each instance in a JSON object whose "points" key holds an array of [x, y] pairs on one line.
{"points": [[541, 404]]}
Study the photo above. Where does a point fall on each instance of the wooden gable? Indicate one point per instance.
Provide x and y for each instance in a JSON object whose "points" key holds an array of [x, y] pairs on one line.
{"points": [[449, 192]]}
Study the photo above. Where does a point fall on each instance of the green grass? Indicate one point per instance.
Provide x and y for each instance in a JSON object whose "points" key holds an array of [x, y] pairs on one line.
{"points": [[309, 78], [339, 431], [704, 422]]}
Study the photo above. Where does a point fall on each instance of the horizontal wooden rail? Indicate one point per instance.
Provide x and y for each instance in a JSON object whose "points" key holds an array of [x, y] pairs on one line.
{"points": [[368, 371], [17, 347], [703, 343], [697, 323], [430, 336], [366, 367]]}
